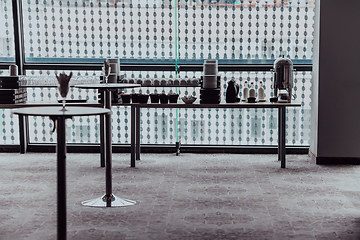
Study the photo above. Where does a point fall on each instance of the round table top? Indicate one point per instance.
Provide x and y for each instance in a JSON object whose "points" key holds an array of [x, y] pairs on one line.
{"points": [[108, 85], [57, 111]]}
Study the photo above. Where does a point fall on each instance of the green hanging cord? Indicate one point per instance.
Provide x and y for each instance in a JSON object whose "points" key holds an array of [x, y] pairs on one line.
{"points": [[176, 41], [176, 67]]}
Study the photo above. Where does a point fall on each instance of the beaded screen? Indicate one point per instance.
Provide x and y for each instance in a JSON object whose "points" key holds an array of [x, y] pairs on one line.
{"points": [[241, 32]]}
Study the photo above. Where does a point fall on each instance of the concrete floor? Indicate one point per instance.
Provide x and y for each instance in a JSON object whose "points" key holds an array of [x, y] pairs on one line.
{"points": [[192, 196]]}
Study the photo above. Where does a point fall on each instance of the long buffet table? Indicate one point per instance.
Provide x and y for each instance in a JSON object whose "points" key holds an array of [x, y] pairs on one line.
{"points": [[135, 120]]}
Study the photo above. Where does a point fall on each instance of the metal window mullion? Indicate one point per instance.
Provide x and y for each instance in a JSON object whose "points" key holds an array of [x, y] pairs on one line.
{"points": [[18, 35]]}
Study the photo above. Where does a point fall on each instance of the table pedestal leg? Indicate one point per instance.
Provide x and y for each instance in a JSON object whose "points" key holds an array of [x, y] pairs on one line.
{"points": [[61, 181], [137, 145], [108, 153], [109, 199]]}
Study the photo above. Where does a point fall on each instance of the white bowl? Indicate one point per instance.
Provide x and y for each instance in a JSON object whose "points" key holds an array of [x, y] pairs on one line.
{"points": [[188, 99]]}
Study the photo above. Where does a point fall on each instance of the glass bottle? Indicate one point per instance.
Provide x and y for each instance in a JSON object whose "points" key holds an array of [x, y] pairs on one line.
{"points": [[245, 91], [261, 95], [252, 90]]}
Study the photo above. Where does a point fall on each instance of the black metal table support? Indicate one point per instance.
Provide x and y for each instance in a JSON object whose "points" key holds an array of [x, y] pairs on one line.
{"points": [[61, 174], [109, 199], [282, 136], [137, 126], [177, 145], [102, 141], [108, 149], [133, 136], [23, 133]]}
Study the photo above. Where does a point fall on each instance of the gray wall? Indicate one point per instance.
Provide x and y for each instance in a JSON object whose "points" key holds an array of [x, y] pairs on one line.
{"points": [[335, 129]]}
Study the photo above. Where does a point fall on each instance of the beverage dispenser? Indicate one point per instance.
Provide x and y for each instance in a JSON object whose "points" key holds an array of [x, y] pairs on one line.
{"points": [[283, 79]]}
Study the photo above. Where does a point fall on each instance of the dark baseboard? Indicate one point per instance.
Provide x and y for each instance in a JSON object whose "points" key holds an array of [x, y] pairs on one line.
{"points": [[160, 148], [9, 148], [334, 160]]}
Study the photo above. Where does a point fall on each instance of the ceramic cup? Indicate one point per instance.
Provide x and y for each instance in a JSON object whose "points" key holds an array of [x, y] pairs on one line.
{"points": [[194, 82], [163, 82], [183, 82], [147, 82], [156, 82]]}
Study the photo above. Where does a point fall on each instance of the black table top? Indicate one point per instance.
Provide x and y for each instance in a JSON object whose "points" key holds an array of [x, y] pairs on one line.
{"points": [[57, 111], [108, 85]]}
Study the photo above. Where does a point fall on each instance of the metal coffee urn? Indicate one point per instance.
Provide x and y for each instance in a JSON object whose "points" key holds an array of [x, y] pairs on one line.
{"points": [[283, 79]]}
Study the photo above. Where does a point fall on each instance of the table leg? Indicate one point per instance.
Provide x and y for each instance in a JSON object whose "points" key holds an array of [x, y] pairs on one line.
{"points": [[108, 150], [61, 181], [137, 130], [282, 137], [177, 146], [109, 199], [23, 133], [102, 141], [133, 132]]}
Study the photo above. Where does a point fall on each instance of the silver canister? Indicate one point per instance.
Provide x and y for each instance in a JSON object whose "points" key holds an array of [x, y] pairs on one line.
{"points": [[13, 69]]}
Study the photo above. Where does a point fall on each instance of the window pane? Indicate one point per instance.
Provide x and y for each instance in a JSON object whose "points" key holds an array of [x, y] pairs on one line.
{"points": [[188, 30], [7, 51], [195, 126]]}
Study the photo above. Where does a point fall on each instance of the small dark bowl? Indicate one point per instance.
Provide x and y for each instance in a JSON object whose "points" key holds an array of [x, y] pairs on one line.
{"points": [[273, 99], [126, 98], [135, 97], [154, 97], [173, 98], [251, 99], [164, 98], [143, 98]]}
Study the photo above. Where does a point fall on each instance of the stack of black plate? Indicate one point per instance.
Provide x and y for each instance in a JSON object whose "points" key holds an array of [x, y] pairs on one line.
{"points": [[10, 92], [210, 95]]}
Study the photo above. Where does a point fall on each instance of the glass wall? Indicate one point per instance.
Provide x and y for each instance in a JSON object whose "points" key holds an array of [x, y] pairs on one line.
{"points": [[168, 29], [6, 33], [240, 33]]}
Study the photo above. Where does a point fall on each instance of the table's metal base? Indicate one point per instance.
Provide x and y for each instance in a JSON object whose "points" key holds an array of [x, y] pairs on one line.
{"points": [[115, 202]]}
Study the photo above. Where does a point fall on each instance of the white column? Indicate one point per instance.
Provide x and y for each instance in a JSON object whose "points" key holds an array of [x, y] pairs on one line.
{"points": [[335, 120]]}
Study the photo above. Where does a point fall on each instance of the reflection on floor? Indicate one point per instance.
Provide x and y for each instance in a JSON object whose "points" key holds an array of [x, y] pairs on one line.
{"points": [[191, 196]]}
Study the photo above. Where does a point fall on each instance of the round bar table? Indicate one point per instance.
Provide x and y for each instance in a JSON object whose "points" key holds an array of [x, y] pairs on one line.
{"points": [[59, 117], [109, 199]]}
